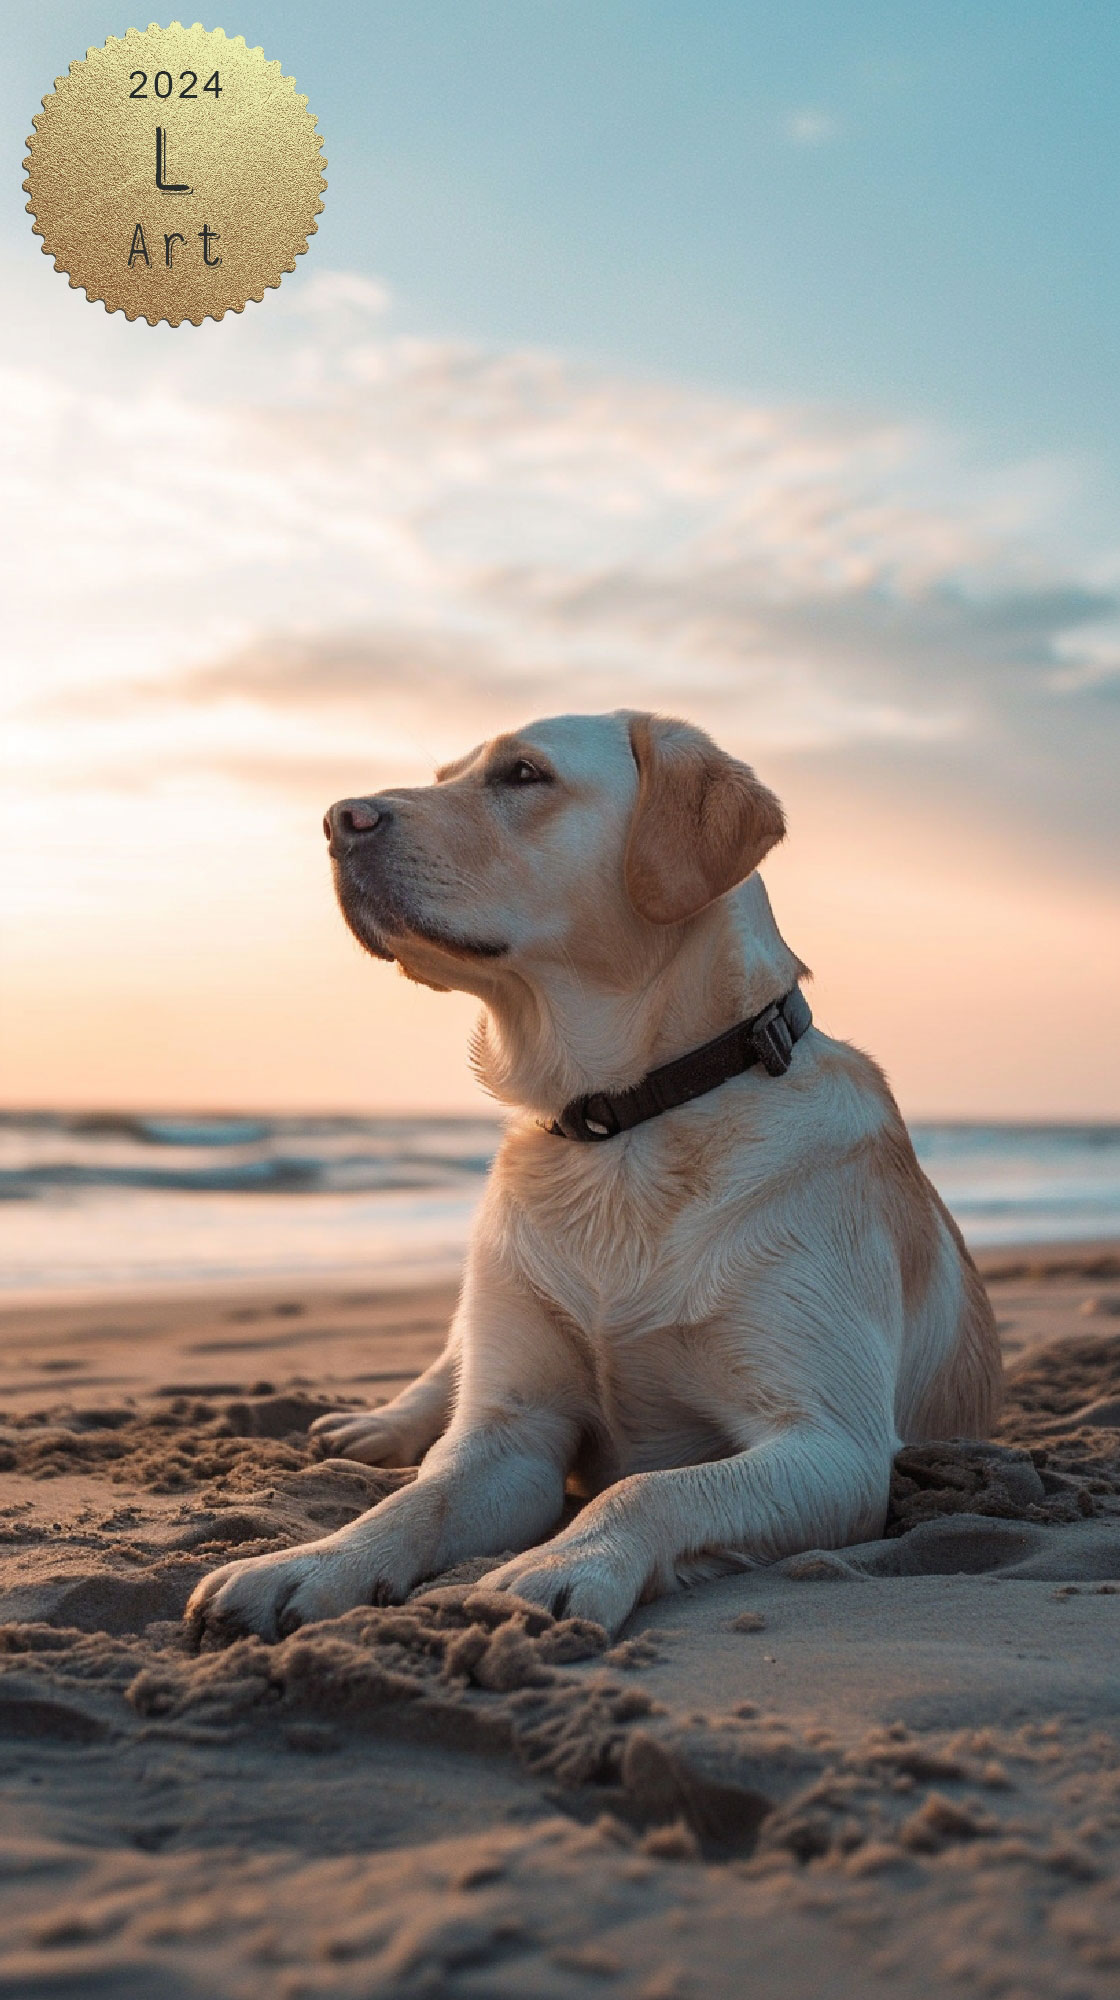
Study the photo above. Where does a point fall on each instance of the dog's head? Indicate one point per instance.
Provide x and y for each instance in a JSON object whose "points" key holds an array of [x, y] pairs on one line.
{"points": [[578, 841]]}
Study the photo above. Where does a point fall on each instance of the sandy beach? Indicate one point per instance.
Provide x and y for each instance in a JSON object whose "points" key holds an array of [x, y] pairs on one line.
{"points": [[891, 1769]]}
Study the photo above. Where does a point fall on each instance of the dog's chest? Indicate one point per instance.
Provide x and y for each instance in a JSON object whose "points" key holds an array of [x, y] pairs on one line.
{"points": [[625, 1250], [622, 1243], [611, 1252]]}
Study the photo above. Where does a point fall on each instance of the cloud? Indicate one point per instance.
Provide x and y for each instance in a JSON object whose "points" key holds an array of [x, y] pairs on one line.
{"points": [[811, 128], [380, 547], [331, 293]]}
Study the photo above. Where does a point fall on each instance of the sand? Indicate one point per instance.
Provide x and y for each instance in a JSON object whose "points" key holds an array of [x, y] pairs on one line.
{"points": [[894, 1768]]}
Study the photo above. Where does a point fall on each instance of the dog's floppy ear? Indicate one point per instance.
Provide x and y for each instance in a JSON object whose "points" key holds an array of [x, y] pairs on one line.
{"points": [[701, 823]]}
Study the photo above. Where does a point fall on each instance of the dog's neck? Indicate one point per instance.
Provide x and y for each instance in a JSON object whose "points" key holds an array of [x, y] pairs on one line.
{"points": [[546, 1040]]}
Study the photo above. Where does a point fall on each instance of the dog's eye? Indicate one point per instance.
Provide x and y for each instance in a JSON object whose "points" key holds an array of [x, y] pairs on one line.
{"points": [[524, 773]]}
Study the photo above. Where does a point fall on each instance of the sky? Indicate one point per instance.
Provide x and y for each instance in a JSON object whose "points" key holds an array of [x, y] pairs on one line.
{"points": [[752, 363]]}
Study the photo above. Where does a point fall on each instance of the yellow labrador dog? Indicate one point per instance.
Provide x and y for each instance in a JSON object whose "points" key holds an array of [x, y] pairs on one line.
{"points": [[709, 1286]]}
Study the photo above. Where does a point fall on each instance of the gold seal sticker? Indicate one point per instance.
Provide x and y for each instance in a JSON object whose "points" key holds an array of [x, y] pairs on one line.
{"points": [[174, 174]]}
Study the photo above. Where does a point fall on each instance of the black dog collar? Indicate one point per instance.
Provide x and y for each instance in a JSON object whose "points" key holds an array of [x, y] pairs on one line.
{"points": [[767, 1038]]}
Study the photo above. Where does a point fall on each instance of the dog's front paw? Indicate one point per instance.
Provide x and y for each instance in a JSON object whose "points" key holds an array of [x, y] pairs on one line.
{"points": [[582, 1579], [274, 1595], [375, 1437]]}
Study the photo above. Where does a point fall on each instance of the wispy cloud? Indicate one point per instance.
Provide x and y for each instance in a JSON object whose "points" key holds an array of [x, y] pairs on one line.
{"points": [[381, 546], [809, 127]]}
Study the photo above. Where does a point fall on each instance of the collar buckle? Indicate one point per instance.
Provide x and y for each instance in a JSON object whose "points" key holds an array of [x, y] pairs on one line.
{"points": [[771, 1040]]}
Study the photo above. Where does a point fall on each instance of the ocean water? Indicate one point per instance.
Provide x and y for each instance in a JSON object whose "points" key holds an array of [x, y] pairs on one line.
{"points": [[121, 1202]]}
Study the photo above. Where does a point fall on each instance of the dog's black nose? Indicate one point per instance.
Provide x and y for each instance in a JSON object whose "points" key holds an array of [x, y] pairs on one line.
{"points": [[351, 819]]}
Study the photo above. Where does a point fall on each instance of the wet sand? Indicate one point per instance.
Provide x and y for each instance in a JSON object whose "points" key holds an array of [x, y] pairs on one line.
{"points": [[890, 1769]]}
